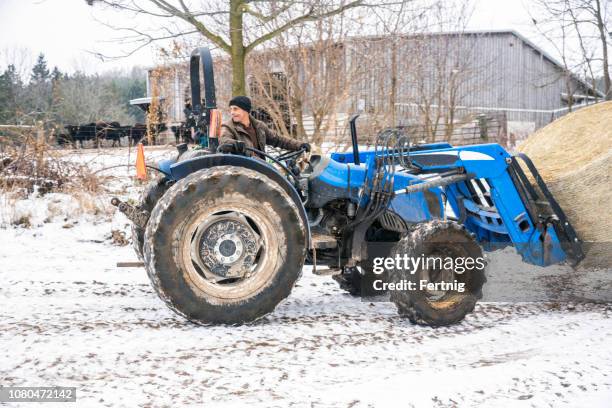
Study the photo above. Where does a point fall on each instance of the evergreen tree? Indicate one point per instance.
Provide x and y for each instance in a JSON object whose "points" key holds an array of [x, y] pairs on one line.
{"points": [[39, 91], [40, 72], [57, 78], [56, 75], [10, 88]]}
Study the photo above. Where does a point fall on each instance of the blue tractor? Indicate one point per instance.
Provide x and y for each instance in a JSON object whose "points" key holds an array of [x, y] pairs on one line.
{"points": [[224, 237]]}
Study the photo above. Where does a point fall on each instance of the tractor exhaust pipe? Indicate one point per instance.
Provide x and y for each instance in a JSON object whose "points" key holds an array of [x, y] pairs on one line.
{"points": [[353, 128]]}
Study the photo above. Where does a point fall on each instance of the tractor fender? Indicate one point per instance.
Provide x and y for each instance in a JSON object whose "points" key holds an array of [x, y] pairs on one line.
{"points": [[182, 169]]}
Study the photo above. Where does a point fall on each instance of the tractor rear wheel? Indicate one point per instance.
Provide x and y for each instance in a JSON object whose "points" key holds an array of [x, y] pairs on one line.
{"points": [[444, 291], [224, 245]]}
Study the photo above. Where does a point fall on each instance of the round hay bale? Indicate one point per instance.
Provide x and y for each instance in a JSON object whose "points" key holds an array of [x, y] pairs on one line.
{"points": [[574, 156]]}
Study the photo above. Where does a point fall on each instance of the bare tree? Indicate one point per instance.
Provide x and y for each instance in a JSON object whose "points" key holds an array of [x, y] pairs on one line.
{"points": [[304, 75], [236, 27], [326, 70], [595, 12], [585, 23], [444, 68], [394, 22], [87, 98]]}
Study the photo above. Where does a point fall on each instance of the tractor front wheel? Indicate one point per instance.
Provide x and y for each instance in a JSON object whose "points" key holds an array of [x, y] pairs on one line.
{"points": [[448, 279], [224, 245]]}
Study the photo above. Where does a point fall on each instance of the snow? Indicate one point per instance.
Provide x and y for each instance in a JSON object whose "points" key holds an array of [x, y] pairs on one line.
{"points": [[70, 317]]}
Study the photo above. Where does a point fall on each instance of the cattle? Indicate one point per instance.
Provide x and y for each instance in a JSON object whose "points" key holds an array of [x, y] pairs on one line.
{"points": [[96, 131], [109, 131], [137, 133], [113, 131], [75, 134], [63, 139], [101, 130]]}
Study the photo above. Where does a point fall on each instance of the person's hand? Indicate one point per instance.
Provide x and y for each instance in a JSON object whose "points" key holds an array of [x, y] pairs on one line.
{"points": [[236, 147], [226, 148], [305, 146]]}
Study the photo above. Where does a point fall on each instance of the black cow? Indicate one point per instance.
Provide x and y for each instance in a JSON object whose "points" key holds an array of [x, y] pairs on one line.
{"points": [[95, 131], [138, 133], [88, 131], [63, 139], [78, 133], [109, 131]]}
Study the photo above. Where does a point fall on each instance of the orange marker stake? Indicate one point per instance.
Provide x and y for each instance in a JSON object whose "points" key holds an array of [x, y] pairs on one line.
{"points": [[141, 168]]}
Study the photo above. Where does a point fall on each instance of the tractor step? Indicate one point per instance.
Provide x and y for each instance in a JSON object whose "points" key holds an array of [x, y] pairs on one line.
{"points": [[326, 271], [323, 241]]}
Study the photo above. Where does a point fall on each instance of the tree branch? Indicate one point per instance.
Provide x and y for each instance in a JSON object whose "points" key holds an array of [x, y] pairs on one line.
{"points": [[172, 11], [310, 16], [187, 16], [263, 18]]}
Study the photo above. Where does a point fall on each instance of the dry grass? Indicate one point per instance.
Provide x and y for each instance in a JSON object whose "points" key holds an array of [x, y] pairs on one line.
{"points": [[574, 155], [30, 164], [571, 142], [31, 167]]}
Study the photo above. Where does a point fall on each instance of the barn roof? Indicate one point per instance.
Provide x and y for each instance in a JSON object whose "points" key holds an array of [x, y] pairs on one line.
{"points": [[515, 33]]}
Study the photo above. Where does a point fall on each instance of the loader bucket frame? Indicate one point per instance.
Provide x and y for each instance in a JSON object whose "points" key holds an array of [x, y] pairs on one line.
{"points": [[542, 206]]}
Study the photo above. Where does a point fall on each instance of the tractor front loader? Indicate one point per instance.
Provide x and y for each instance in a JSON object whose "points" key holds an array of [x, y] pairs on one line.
{"points": [[224, 237]]}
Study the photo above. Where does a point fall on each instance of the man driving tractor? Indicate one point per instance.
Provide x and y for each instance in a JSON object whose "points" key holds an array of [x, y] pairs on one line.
{"points": [[253, 133]]}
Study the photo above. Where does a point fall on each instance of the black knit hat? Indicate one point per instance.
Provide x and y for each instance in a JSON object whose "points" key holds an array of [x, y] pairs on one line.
{"points": [[241, 101]]}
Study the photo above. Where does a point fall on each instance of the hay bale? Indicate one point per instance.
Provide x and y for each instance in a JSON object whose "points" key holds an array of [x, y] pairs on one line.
{"points": [[574, 156]]}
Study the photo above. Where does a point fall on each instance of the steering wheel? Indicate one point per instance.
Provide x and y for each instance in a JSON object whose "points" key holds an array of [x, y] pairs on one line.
{"points": [[278, 159], [290, 155]]}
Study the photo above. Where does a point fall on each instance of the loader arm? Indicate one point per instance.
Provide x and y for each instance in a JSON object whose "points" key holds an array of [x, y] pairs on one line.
{"points": [[488, 192], [498, 203]]}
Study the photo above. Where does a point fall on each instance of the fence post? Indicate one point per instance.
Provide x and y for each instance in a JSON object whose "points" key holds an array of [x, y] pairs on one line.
{"points": [[40, 148]]}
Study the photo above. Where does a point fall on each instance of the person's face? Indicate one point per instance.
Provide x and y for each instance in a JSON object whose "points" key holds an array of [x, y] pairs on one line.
{"points": [[238, 114]]}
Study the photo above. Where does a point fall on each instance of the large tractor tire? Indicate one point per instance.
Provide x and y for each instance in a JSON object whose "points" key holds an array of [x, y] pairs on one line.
{"points": [[434, 307], [224, 245]]}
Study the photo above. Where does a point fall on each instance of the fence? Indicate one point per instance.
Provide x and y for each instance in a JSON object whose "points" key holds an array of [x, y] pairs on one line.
{"points": [[483, 128], [519, 123]]}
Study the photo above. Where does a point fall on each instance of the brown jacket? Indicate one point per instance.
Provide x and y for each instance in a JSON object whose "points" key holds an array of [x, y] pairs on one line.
{"points": [[232, 131]]}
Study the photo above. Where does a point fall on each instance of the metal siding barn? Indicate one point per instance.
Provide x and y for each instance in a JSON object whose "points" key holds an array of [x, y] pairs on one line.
{"points": [[441, 78], [499, 71]]}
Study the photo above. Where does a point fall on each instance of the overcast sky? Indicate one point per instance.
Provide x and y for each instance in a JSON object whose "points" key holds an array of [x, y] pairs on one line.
{"points": [[65, 30]]}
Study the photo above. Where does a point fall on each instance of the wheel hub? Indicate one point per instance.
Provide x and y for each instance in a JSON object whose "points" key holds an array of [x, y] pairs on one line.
{"points": [[225, 247], [228, 249], [436, 275]]}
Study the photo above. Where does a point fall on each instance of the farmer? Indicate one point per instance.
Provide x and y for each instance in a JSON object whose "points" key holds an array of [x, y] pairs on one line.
{"points": [[243, 127]]}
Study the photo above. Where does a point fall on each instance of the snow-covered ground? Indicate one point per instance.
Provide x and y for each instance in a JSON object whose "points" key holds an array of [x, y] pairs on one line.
{"points": [[70, 317]]}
